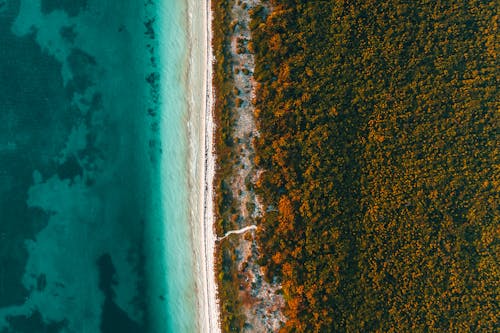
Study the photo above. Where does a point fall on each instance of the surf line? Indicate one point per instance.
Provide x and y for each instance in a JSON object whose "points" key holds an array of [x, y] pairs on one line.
{"points": [[239, 231]]}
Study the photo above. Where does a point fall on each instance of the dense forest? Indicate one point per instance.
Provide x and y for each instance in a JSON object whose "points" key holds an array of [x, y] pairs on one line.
{"points": [[379, 140]]}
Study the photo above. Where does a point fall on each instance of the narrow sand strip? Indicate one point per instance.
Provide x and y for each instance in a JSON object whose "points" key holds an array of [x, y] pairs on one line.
{"points": [[200, 127], [202, 162], [210, 303]]}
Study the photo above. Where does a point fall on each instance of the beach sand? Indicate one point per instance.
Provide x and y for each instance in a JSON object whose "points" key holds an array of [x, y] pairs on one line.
{"points": [[202, 162]]}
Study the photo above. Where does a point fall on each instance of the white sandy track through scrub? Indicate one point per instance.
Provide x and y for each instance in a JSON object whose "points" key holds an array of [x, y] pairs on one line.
{"points": [[239, 231]]}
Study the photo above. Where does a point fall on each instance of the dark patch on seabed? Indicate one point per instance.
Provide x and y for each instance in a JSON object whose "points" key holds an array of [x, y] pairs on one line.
{"points": [[72, 7], [114, 319], [25, 142], [74, 156], [32, 324]]}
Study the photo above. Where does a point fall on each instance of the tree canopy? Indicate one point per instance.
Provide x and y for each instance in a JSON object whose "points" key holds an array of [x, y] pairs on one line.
{"points": [[379, 143]]}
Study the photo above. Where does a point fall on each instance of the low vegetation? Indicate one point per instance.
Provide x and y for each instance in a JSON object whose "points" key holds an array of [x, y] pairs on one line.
{"points": [[231, 318]]}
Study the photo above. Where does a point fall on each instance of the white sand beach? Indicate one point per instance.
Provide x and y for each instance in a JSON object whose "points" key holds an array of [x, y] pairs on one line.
{"points": [[212, 304], [202, 160]]}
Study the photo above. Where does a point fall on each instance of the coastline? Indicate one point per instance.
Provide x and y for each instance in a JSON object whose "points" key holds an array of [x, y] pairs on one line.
{"points": [[212, 320], [248, 302], [200, 125]]}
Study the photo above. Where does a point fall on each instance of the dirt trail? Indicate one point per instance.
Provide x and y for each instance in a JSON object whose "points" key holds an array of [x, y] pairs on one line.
{"points": [[239, 231]]}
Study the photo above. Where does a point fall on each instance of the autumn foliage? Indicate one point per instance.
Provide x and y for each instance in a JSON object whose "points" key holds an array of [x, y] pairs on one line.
{"points": [[379, 140]]}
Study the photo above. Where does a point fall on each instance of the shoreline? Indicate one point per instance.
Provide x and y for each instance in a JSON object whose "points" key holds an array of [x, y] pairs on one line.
{"points": [[201, 131], [212, 320]]}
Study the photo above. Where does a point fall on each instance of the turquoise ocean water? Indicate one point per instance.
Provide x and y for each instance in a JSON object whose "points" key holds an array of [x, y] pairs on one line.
{"points": [[94, 196], [179, 282]]}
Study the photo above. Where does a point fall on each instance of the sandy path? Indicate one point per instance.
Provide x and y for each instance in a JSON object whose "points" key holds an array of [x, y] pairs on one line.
{"points": [[239, 231]]}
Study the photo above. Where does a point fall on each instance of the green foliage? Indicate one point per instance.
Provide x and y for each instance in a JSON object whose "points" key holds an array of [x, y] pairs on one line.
{"points": [[379, 125]]}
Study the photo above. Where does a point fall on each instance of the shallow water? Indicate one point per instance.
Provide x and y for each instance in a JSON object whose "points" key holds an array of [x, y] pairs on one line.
{"points": [[94, 232], [178, 313]]}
